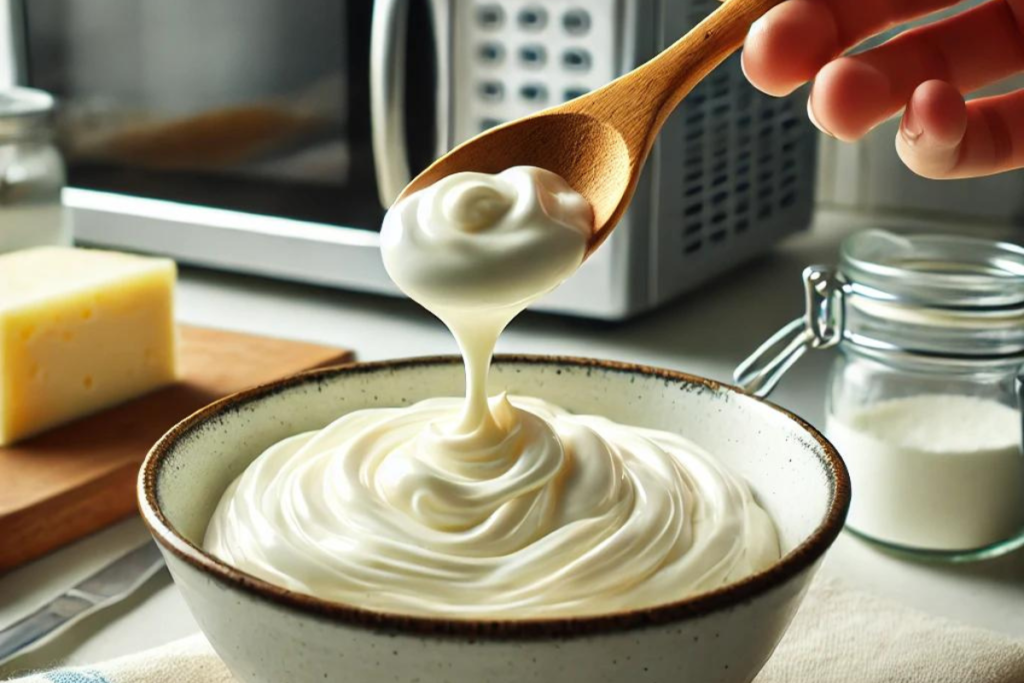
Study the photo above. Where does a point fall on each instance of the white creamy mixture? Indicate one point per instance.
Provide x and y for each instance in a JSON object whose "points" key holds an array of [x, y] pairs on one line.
{"points": [[507, 507], [934, 471]]}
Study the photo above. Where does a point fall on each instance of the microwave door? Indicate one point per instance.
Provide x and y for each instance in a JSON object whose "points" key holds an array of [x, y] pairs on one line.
{"points": [[232, 134], [255, 106]]}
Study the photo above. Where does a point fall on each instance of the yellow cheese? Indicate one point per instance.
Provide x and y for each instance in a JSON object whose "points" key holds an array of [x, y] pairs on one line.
{"points": [[80, 330]]}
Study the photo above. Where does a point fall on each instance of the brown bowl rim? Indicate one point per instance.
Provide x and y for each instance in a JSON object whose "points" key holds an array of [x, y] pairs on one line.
{"points": [[796, 561]]}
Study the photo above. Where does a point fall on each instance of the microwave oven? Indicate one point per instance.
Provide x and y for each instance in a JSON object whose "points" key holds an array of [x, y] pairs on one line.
{"points": [[268, 136]]}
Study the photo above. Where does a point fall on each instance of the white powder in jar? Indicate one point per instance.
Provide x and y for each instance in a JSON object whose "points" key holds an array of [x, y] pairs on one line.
{"points": [[940, 471]]}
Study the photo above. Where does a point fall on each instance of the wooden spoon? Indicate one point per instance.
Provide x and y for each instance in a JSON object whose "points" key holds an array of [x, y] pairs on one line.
{"points": [[599, 142]]}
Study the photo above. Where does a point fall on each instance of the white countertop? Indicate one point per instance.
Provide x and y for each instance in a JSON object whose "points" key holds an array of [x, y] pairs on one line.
{"points": [[706, 333]]}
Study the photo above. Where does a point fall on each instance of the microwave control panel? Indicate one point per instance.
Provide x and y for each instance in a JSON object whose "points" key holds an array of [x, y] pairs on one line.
{"points": [[515, 57]]}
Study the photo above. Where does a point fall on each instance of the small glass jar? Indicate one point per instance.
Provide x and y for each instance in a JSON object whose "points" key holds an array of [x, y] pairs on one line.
{"points": [[31, 173], [924, 398]]}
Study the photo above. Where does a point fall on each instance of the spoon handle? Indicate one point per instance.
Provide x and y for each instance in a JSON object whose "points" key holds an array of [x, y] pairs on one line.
{"points": [[655, 89], [685, 63]]}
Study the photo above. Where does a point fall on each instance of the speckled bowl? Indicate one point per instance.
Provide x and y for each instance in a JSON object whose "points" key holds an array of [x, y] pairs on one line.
{"points": [[267, 634]]}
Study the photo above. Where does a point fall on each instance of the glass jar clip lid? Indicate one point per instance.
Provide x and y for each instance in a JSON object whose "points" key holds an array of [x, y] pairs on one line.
{"points": [[943, 298]]}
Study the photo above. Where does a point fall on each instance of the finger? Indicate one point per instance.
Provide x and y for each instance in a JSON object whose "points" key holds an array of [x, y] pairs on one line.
{"points": [[793, 40], [932, 129], [942, 137], [977, 47]]}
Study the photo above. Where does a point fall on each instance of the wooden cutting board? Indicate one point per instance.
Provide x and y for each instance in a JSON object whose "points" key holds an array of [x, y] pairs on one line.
{"points": [[75, 479]]}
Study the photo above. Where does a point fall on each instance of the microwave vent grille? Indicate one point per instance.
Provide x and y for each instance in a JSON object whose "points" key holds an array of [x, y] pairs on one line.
{"points": [[739, 162], [738, 171]]}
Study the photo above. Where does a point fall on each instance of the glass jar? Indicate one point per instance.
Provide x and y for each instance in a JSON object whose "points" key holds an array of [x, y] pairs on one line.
{"points": [[924, 398], [31, 172]]}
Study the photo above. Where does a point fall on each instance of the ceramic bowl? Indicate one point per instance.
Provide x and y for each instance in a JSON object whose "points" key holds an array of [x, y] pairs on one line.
{"points": [[266, 634]]}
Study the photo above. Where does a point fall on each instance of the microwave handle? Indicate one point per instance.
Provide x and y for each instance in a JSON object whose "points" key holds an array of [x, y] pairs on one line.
{"points": [[388, 31], [390, 25], [442, 20]]}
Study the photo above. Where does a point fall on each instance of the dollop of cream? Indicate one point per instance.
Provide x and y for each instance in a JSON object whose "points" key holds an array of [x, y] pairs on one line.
{"points": [[508, 507], [478, 241]]}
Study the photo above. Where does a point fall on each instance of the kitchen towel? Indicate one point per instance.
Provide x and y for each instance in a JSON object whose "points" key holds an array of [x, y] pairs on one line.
{"points": [[840, 635]]}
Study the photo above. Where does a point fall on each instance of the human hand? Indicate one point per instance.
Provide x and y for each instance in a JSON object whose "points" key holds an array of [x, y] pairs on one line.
{"points": [[925, 71]]}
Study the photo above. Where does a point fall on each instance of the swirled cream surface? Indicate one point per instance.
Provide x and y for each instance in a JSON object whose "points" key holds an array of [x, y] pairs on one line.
{"points": [[508, 507]]}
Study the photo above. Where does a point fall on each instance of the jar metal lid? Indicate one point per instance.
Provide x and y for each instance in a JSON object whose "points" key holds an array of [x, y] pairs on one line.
{"points": [[25, 113]]}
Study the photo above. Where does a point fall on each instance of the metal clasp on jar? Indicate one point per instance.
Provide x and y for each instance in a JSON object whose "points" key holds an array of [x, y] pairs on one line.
{"points": [[820, 327]]}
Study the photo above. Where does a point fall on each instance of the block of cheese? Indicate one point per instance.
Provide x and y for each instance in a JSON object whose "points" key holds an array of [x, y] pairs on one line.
{"points": [[80, 330]]}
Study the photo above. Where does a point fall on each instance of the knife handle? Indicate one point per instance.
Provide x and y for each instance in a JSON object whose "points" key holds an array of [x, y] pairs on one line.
{"points": [[48, 618]]}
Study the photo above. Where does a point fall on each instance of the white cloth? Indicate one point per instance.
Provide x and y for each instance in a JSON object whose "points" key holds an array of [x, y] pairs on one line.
{"points": [[840, 635]]}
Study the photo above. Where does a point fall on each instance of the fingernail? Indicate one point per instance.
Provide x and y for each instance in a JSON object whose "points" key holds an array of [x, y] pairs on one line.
{"points": [[814, 119], [910, 127]]}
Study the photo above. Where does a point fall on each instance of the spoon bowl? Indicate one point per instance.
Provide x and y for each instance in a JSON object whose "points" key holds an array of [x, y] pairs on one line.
{"points": [[531, 141], [599, 142]]}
